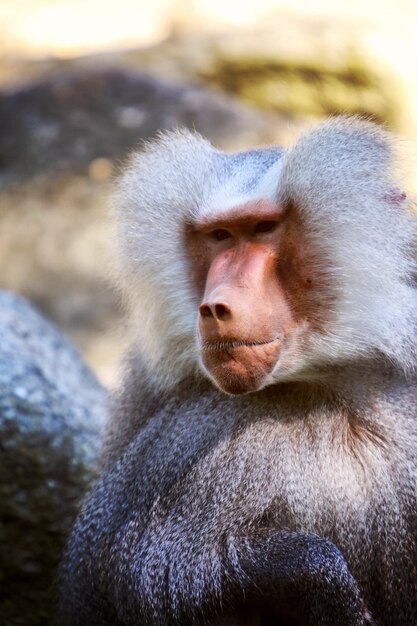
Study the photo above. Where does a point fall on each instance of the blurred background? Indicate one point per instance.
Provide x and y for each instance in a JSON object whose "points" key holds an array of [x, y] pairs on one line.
{"points": [[82, 82]]}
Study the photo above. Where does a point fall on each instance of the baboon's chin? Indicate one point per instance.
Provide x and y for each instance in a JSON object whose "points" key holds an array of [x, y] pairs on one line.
{"points": [[242, 369]]}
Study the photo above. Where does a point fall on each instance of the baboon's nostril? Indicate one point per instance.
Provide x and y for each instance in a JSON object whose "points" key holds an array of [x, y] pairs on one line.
{"points": [[221, 312], [205, 311]]}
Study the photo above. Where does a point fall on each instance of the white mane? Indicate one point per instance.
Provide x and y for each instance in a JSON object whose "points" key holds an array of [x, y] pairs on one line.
{"points": [[340, 176]]}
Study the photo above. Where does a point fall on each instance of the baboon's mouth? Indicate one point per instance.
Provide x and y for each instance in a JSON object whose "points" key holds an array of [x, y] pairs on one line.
{"points": [[231, 344], [240, 366]]}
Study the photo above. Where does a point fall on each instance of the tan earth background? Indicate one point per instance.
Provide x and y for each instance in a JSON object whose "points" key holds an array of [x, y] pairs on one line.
{"points": [[82, 82]]}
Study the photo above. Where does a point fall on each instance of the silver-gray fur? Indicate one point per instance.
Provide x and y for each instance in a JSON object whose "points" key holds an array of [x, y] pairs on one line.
{"points": [[203, 494]]}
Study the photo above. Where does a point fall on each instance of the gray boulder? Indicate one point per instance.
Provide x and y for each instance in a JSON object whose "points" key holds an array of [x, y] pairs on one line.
{"points": [[52, 411], [63, 123]]}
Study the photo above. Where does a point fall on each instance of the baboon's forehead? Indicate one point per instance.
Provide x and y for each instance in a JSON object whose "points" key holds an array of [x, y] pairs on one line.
{"points": [[242, 178], [247, 168]]}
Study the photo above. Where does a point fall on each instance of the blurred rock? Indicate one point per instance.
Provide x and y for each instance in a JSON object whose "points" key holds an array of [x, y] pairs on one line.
{"points": [[51, 416], [55, 249], [303, 68], [66, 123], [301, 64]]}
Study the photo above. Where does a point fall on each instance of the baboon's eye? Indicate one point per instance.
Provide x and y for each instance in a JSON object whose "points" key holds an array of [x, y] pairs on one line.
{"points": [[267, 226], [220, 233]]}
